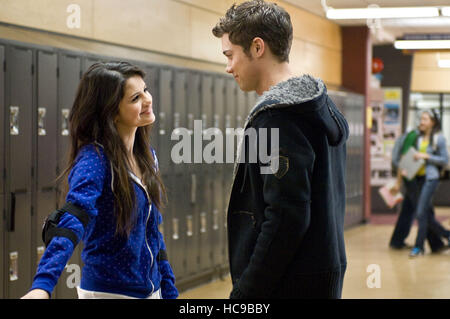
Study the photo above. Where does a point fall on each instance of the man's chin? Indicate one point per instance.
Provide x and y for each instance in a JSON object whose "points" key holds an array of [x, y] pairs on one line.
{"points": [[244, 88]]}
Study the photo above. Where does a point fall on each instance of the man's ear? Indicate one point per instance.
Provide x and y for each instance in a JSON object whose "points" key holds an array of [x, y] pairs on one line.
{"points": [[258, 47]]}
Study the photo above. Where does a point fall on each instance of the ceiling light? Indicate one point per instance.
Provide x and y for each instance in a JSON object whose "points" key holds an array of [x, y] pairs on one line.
{"points": [[445, 11], [421, 44], [384, 13], [444, 63]]}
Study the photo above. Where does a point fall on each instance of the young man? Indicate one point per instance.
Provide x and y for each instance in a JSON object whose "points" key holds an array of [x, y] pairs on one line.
{"points": [[285, 229]]}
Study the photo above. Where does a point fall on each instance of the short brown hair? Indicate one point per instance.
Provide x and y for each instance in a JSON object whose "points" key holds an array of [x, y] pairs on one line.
{"points": [[258, 18]]}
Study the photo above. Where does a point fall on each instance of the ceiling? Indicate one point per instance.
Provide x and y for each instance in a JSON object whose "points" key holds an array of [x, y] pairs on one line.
{"points": [[388, 29]]}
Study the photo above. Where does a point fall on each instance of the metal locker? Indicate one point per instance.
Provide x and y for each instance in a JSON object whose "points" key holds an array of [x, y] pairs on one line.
{"points": [[217, 228], [46, 146], [2, 120], [206, 190], [180, 202], [242, 110], [231, 123], [194, 178], [163, 115], [69, 74], [179, 116], [19, 93], [152, 81], [2, 167], [2, 238]]}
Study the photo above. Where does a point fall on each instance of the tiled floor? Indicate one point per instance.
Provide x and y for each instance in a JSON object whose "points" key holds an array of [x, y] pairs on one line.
{"points": [[399, 276]]}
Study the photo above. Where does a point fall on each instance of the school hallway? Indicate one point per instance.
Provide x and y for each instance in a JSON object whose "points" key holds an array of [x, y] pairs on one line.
{"points": [[426, 277], [327, 77]]}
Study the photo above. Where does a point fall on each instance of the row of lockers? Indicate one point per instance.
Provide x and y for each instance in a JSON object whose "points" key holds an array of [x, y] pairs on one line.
{"points": [[352, 106], [37, 89]]}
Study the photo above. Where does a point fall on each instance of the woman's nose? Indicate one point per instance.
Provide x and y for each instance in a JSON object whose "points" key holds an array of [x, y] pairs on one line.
{"points": [[148, 98]]}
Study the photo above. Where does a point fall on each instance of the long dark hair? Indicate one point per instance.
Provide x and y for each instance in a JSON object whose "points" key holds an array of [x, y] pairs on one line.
{"points": [[91, 118]]}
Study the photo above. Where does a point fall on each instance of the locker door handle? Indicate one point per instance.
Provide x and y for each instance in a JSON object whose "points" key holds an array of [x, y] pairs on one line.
{"points": [[239, 121], [189, 226], [176, 120], [13, 266], [228, 120], [14, 120], [12, 214], [175, 229], [203, 223], [216, 121], [39, 252], [204, 123], [215, 219], [65, 122], [162, 123], [191, 123], [42, 111], [193, 188]]}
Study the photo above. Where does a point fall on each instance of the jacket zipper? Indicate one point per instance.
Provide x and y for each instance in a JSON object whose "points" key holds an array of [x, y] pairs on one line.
{"points": [[146, 223], [136, 179]]}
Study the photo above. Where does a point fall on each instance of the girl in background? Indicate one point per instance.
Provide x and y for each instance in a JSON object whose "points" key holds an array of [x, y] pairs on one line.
{"points": [[432, 147]]}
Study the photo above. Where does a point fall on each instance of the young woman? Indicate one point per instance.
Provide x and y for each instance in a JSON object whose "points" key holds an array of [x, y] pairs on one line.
{"points": [[113, 176], [431, 146], [412, 189]]}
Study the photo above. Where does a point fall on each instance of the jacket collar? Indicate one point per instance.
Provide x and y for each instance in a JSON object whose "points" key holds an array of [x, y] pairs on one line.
{"points": [[305, 90]]}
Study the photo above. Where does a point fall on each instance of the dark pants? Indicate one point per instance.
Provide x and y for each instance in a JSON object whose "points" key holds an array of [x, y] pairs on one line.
{"points": [[427, 222], [406, 218]]}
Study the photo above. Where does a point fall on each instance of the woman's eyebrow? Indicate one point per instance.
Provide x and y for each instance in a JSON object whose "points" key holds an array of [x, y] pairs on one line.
{"points": [[135, 93]]}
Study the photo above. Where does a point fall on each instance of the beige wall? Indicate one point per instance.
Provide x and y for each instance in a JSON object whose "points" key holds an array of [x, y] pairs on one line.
{"points": [[166, 31], [427, 76]]}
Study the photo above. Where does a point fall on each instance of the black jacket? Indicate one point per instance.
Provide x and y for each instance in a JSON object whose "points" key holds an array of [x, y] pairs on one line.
{"points": [[285, 229]]}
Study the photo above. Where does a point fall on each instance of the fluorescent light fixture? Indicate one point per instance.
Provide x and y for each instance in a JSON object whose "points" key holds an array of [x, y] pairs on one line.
{"points": [[444, 63], [421, 44], [445, 11], [383, 13]]}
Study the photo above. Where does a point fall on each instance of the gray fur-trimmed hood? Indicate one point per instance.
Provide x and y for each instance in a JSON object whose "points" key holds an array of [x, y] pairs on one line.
{"points": [[308, 95]]}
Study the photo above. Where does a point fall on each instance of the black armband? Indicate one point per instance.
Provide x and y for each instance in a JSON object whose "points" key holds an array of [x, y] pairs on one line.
{"points": [[50, 227]]}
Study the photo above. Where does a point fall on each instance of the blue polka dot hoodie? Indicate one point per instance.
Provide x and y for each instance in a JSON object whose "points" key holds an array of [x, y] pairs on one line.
{"points": [[112, 263]]}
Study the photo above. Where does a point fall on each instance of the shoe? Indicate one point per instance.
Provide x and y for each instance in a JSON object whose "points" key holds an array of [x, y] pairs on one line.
{"points": [[440, 249], [400, 247], [416, 251]]}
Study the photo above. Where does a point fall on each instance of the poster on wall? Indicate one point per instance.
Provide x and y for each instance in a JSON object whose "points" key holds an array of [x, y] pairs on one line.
{"points": [[386, 128]]}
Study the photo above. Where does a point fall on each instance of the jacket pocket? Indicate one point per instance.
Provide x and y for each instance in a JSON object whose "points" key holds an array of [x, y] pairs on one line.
{"points": [[242, 214]]}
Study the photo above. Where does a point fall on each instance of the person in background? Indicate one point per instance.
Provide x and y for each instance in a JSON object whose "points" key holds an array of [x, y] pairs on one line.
{"points": [[432, 147], [411, 192], [114, 181]]}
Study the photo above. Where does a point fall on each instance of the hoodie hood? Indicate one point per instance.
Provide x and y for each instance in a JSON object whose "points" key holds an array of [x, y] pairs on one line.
{"points": [[306, 95]]}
